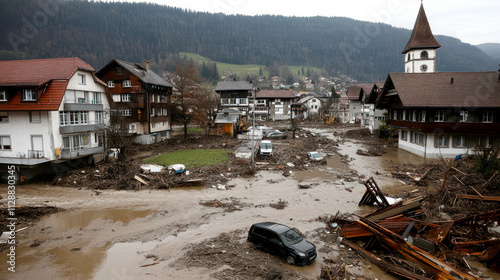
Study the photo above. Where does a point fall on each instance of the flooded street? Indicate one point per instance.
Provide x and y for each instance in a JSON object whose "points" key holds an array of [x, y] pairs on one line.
{"points": [[113, 234]]}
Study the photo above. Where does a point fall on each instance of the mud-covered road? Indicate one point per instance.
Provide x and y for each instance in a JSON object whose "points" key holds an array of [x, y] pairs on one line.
{"points": [[179, 234]]}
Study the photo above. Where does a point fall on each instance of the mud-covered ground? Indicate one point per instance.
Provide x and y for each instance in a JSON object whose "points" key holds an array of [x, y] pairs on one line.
{"points": [[199, 232]]}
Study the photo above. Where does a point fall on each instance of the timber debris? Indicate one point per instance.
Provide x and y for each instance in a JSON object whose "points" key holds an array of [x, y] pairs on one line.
{"points": [[437, 233]]}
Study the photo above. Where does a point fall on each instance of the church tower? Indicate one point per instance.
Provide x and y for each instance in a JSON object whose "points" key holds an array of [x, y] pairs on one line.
{"points": [[420, 51]]}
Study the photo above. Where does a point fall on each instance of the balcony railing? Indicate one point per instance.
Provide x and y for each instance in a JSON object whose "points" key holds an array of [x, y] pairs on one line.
{"points": [[35, 154], [80, 151], [74, 128]]}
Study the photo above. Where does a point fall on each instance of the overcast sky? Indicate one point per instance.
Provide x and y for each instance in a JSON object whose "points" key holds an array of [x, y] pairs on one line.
{"points": [[472, 21]]}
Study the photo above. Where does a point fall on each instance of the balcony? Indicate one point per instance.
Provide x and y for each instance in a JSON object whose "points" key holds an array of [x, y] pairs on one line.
{"points": [[83, 105], [81, 128], [80, 152], [35, 154]]}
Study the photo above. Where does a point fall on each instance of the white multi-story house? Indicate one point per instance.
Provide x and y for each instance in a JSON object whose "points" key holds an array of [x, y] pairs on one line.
{"points": [[51, 111]]}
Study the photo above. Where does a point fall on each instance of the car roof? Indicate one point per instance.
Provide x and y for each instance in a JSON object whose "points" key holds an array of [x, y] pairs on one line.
{"points": [[265, 141], [275, 227]]}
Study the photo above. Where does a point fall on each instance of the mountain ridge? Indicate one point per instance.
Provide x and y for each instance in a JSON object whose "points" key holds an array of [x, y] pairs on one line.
{"points": [[100, 31]]}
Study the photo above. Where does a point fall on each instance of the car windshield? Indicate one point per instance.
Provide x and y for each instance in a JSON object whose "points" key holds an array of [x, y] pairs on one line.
{"points": [[291, 237], [266, 145]]}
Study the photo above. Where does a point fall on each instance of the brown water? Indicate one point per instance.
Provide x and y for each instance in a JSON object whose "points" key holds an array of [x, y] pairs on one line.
{"points": [[110, 235]]}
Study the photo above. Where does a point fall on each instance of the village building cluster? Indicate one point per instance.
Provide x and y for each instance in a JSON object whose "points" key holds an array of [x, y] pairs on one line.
{"points": [[54, 110]]}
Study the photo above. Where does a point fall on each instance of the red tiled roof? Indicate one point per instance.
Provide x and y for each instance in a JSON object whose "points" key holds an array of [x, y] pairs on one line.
{"points": [[50, 100], [275, 94], [447, 89], [421, 36], [35, 72], [51, 76]]}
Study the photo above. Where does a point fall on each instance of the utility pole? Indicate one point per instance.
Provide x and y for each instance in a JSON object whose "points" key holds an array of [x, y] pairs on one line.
{"points": [[254, 89]]}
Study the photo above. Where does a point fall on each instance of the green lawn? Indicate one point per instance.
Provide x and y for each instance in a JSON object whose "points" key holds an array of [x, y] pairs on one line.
{"points": [[243, 69], [191, 158]]}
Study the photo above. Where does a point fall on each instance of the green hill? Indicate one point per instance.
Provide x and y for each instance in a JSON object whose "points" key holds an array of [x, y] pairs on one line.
{"points": [[100, 31]]}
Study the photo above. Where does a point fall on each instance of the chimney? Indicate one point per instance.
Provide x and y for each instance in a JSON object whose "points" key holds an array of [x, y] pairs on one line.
{"points": [[146, 64]]}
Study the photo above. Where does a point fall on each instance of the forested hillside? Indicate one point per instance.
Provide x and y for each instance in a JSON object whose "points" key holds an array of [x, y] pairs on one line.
{"points": [[98, 32]]}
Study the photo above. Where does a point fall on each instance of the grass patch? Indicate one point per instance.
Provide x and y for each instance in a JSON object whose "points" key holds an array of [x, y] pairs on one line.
{"points": [[191, 158], [195, 129], [243, 69]]}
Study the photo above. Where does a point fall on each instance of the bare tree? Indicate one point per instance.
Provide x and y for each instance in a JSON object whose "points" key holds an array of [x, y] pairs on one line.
{"points": [[205, 102], [117, 133], [186, 80]]}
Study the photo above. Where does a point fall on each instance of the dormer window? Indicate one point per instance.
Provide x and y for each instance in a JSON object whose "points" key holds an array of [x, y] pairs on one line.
{"points": [[3, 95], [29, 95], [81, 79]]}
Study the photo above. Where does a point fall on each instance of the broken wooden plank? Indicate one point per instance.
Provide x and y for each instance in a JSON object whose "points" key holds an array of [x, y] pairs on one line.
{"points": [[433, 265], [141, 180], [480, 197], [396, 209], [373, 194], [385, 266], [491, 178], [438, 234]]}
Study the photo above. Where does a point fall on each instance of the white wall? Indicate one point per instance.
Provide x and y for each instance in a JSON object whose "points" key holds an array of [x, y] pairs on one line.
{"points": [[20, 130]]}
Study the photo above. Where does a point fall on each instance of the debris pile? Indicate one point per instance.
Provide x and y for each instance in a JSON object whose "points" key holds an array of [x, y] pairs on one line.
{"points": [[426, 237]]}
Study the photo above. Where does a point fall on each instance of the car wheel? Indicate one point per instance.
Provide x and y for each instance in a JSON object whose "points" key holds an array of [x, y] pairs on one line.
{"points": [[290, 260]]}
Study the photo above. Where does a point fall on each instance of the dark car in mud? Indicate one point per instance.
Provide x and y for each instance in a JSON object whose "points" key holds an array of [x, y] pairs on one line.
{"points": [[283, 241]]}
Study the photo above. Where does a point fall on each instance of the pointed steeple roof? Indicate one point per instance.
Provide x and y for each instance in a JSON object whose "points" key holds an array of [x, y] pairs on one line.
{"points": [[421, 37]]}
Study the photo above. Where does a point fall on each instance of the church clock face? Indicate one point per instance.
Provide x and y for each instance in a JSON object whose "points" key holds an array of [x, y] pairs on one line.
{"points": [[423, 68]]}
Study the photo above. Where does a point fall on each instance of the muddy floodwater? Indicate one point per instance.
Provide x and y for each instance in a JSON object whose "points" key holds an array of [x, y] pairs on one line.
{"points": [[114, 234]]}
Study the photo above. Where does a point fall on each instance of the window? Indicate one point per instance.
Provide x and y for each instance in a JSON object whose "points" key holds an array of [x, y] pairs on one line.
{"points": [[98, 117], [424, 55], [404, 115], [439, 117], [153, 125], [395, 114], [126, 83], [232, 101], [164, 111], [81, 79], [125, 97], [414, 115], [224, 101], [116, 97], [152, 112], [5, 143], [417, 138], [73, 118], [119, 70], [29, 95], [3, 95], [4, 117], [261, 102], [97, 98], [464, 116], [158, 98], [423, 116], [126, 112], [441, 141], [35, 117], [75, 142], [111, 84], [459, 141], [63, 118], [488, 117], [314, 100], [408, 58], [152, 98], [404, 135]]}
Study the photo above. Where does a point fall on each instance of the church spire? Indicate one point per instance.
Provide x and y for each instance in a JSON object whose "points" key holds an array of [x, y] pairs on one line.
{"points": [[421, 37]]}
